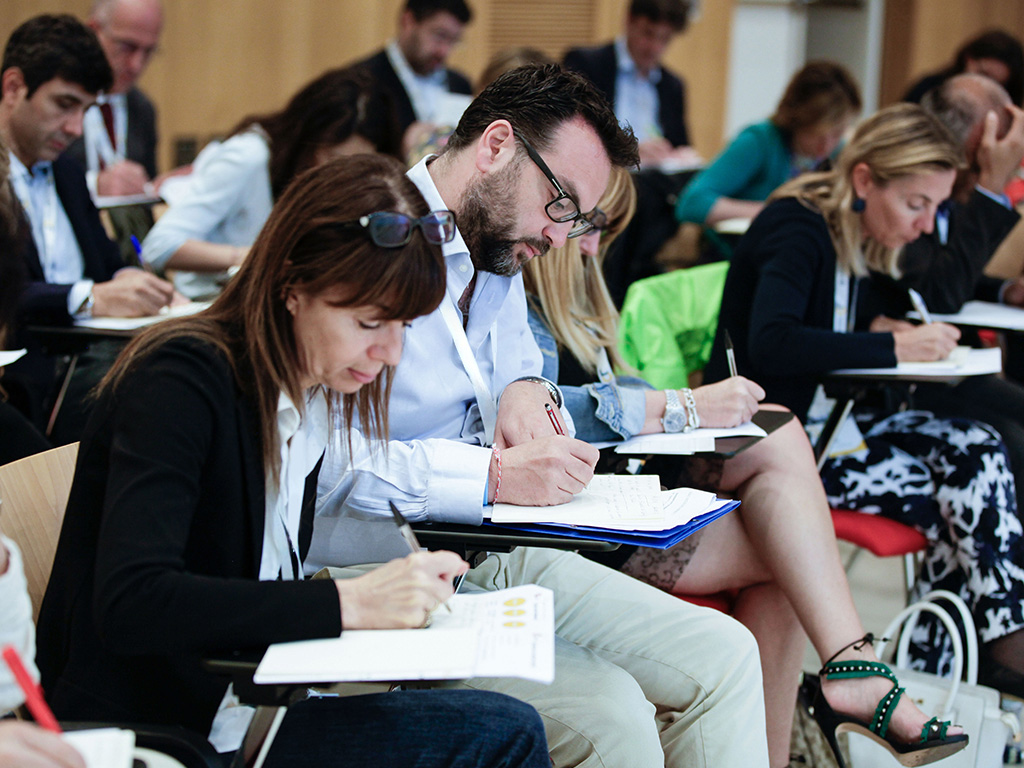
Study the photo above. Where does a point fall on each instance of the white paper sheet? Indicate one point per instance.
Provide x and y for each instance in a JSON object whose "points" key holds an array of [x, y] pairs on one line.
{"points": [[103, 747], [977, 362], [986, 314], [606, 502], [505, 633], [133, 323], [685, 443], [8, 356]]}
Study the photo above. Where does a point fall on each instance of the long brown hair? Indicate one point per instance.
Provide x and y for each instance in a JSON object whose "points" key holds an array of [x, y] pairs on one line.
{"points": [[301, 247]]}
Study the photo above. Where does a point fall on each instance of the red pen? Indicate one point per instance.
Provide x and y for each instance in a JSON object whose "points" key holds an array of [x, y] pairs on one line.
{"points": [[33, 693], [554, 421]]}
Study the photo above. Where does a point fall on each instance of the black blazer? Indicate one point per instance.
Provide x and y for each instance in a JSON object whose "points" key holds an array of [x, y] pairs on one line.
{"points": [[948, 275], [778, 307], [141, 134], [600, 67], [378, 66], [159, 554]]}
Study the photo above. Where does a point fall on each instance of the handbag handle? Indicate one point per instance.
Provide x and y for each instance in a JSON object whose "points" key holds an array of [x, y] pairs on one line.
{"points": [[969, 634], [912, 611]]}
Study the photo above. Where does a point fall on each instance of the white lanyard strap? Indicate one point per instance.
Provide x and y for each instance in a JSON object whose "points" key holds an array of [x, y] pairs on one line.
{"points": [[842, 316], [484, 398]]}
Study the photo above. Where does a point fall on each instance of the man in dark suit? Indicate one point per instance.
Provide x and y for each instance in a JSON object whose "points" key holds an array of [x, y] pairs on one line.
{"points": [[118, 145], [52, 69], [411, 67], [628, 70]]}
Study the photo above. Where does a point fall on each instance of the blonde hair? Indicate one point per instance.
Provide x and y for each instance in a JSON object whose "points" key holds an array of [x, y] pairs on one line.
{"points": [[898, 141], [569, 290]]}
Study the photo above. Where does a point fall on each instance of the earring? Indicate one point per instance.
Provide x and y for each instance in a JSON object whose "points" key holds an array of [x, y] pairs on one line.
{"points": [[858, 205]]}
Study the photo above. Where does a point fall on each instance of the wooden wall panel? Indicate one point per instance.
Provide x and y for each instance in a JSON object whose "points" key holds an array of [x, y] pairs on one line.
{"points": [[923, 36]]}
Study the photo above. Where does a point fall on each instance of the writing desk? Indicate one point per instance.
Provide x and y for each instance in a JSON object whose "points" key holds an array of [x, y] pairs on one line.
{"points": [[986, 314]]}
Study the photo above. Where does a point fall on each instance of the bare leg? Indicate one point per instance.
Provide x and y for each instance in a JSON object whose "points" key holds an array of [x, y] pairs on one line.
{"points": [[783, 533], [766, 612]]}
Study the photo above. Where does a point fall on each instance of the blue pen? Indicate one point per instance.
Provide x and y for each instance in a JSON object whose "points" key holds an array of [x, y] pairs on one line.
{"points": [[138, 253]]}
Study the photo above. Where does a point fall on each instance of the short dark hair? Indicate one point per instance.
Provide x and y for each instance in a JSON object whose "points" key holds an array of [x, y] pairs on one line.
{"points": [[422, 9], [50, 46], [537, 99], [674, 12], [1001, 46]]}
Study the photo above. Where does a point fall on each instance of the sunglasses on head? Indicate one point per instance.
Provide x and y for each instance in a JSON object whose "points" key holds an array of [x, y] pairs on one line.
{"points": [[390, 229]]}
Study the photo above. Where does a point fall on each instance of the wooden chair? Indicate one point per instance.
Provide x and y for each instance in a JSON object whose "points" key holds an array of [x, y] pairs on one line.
{"points": [[33, 494]]}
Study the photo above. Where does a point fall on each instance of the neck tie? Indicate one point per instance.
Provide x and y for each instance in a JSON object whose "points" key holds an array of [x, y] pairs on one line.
{"points": [[108, 120]]}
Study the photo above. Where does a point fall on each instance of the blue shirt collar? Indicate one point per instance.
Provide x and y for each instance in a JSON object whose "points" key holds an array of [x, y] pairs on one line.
{"points": [[626, 66]]}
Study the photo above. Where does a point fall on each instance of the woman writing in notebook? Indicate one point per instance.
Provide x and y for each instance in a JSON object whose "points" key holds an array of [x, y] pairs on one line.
{"points": [[778, 550], [192, 502], [791, 308]]}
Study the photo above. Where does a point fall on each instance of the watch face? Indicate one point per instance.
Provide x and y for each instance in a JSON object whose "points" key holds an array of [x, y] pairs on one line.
{"points": [[674, 420]]}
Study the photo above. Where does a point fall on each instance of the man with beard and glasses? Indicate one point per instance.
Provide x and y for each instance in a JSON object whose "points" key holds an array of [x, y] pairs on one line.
{"points": [[641, 678]]}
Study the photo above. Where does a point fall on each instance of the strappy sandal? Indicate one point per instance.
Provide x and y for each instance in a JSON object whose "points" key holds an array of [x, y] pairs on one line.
{"points": [[933, 745]]}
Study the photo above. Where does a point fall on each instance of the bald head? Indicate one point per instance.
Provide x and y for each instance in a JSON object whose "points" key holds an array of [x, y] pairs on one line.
{"points": [[129, 31], [962, 102]]}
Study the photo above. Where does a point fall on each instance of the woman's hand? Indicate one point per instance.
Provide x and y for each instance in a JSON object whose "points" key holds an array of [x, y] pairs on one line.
{"points": [[883, 324], [400, 594], [926, 343], [727, 403], [26, 745]]}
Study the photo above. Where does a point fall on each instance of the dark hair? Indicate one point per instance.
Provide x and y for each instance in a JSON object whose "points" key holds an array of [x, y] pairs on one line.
{"points": [[999, 45], [328, 110], [673, 12], [507, 59], [302, 248], [537, 99], [422, 9], [50, 46], [821, 91]]}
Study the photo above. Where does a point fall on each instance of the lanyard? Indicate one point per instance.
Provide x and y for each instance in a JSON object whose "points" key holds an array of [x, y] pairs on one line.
{"points": [[44, 227], [484, 398], [843, 307]]}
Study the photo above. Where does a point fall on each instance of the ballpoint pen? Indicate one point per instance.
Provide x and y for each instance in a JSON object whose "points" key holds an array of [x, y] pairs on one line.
{"points": [[553, 419], [730, 354], [410, 538], [138, 253], [918, 303]]}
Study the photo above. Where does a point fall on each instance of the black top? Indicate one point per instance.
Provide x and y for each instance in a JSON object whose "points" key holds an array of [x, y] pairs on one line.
{"points": [[159, 554], [778, 307]]}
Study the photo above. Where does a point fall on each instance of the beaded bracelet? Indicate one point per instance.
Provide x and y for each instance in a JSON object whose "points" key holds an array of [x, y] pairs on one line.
{"points": [[692, 417], [497, 483]]}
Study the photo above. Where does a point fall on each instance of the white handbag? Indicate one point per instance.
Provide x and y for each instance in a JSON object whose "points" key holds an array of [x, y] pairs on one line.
{"points": [[958, 699]]}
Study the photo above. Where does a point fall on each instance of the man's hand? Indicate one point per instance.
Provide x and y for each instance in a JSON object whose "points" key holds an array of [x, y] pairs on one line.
{"points": [[727, 403], [998, 159], [654, 151], [124, 178], [131, 293], [883, 324], [542, 472], [400, 594], [1014, 293], [522, 416], [25, 745], [926, 343]]}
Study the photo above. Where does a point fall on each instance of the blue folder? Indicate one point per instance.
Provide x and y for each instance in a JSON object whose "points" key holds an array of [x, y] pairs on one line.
{"points": [[654, 539]]}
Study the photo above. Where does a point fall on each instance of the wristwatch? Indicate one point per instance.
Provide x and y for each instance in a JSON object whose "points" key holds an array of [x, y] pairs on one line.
{"points": [[674, 419], [554, 391]]}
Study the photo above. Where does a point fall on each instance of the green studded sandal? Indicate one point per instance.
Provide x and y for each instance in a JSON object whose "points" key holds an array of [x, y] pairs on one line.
{"points": [[933, 745]]}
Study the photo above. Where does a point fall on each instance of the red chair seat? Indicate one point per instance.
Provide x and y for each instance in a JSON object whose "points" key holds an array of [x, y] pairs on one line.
{"points": [[880, 536]]}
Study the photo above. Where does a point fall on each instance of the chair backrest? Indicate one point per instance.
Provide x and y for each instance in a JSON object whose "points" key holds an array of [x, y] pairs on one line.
{"points": [[33, 495], [669, 322]]}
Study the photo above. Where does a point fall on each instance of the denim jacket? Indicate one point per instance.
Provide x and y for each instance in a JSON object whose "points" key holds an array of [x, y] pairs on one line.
{"points": [[601, 411]]}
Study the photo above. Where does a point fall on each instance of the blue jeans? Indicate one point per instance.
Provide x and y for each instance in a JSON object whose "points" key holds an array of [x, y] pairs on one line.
{"points": [[411, 729]]}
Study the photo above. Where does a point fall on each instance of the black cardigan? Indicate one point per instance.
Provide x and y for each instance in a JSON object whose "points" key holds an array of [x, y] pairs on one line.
{"points": [[778, 307], [159, 555]]}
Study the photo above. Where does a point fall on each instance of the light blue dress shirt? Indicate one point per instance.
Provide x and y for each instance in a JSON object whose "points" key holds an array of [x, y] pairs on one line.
{"points": [[636, 96]]}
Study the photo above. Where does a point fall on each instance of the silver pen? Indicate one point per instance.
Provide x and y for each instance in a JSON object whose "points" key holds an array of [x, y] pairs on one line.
{"points": [[410, 538]]}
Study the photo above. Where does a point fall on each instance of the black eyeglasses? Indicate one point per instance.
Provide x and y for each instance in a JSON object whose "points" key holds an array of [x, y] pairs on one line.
{"points": [[563, 208], [390, 229], [598, 220]]}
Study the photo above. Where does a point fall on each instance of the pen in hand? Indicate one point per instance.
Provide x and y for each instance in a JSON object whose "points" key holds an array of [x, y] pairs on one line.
{"points": [[410, 538], [919, 306], [553, 419], [33, 693], [730, 354]]}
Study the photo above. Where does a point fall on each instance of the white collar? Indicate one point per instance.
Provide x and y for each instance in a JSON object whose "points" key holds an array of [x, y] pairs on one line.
{"points": [[419, 175]]}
